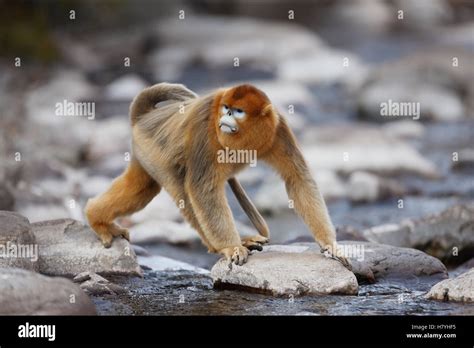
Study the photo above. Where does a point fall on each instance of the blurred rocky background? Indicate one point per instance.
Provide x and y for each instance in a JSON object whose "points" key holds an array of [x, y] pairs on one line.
{"points": [[327, 65]]}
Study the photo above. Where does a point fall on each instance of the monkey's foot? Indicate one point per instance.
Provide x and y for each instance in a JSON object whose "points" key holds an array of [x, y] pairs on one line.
{"points": [[237, 255], [254, 242], [107, 233], [342, 259]]}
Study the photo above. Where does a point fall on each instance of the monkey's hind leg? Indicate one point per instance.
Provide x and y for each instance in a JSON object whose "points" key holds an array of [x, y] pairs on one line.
{"points": [[130, 192], [254, 242]]}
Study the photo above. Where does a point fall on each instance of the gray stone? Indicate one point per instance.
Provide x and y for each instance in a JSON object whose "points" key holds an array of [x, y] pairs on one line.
{"points": [[286, 270], [94, 284], [67, 248], [18, 246], [374, 262], [436, 234], [459, 289], [27, 293]]}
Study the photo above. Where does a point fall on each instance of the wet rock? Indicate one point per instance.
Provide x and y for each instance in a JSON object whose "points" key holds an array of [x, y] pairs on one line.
{"points": [[27, 293], [272, 197], [459, 289], [18, 246], [7, 201], [284, 270], [125, 87], [158, 231], [67, 248], [376, 262], [366, 187], [448, 235], [94, 284], [161, 263], [362, 148]]}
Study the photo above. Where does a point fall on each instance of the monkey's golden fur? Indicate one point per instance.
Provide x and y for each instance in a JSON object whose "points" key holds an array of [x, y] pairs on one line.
{"points": [[175, 146]]}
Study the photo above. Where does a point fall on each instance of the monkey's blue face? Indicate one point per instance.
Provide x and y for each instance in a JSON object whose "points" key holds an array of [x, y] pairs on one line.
{"points": [[229, 119]]}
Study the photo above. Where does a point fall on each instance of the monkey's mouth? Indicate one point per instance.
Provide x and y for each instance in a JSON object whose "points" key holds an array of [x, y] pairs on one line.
{"points": [[228, 125]]}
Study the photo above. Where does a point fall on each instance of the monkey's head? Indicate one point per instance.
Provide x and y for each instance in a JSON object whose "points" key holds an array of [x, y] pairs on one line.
{"points": [[245, 118]]}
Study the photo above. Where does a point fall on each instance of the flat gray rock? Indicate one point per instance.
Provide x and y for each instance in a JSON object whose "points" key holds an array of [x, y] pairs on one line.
{"points": [[437, 234], [18, 246], [459, 289], [94, 284], [286, 270], [374, 262], [67, 248], [24, 292]]}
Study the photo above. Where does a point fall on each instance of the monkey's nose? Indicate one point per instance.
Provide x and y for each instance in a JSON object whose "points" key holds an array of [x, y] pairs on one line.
{"points": [[227, 124]]}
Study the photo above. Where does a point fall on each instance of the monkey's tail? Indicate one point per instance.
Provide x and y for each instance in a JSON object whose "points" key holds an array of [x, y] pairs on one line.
{"points": [[249, 207], [149, 97]]}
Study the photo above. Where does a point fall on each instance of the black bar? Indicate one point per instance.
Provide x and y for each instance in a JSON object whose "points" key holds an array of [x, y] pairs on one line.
{"points": [[258, 330]]}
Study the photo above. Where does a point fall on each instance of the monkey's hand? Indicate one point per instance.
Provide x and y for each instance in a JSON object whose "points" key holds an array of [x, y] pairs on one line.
{"points": [[237, 255], [329, 252], [254, 242]]}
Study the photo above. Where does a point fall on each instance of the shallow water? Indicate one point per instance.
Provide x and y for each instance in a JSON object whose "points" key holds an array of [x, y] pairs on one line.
{"points": [[186, 293]]}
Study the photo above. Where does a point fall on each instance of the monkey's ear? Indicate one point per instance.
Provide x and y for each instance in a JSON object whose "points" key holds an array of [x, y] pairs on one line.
{"points": [[268, 110]]}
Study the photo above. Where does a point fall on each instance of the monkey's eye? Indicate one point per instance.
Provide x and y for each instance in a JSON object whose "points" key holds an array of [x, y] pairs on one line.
{"points": [[225, 109], [239, 113]]}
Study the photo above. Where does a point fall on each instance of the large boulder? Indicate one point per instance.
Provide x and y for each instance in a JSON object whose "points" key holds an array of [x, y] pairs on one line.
{"points": [[18, 246], [460, 289], [67, 248], [448, 235], [286, 270], [24, 292]]}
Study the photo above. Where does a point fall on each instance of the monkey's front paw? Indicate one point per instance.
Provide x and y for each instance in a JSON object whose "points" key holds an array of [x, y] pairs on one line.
{"points": [[237, 255], [329, 252], [254, 242], [119, 232]]}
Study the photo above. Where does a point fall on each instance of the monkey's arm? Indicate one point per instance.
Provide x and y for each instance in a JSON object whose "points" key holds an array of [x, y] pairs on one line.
{"points": [[248, 207], [287, 160], [213, 213]]}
